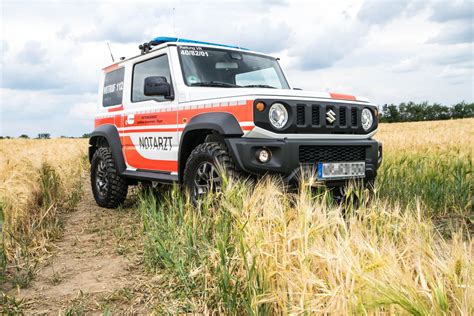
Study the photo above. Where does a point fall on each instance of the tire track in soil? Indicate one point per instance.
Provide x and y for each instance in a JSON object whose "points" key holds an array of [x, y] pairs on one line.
{"points": [[97, 266]]}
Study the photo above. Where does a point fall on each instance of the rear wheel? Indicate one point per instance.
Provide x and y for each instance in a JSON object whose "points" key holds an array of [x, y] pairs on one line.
{"points": [[204, 168], [109, 189]]}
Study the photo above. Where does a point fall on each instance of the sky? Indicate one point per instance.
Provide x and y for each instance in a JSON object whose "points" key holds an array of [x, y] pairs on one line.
{"points": [[390, 51]]}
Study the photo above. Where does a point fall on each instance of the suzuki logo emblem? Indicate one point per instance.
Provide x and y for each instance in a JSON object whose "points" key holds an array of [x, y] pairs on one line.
{"points": [[330, 116]]}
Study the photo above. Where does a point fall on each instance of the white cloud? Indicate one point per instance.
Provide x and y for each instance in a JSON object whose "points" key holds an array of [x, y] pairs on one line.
{"points": [[329, 46], [32, 112], [33, 53], [452, 10], [83, 110], [461, 55], [455, 33], [124, 23], [3, 47], [457, 74], [407, 65], [381, 12]]}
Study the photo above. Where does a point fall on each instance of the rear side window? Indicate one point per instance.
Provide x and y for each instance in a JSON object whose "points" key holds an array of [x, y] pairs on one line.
{"points": [[113, 88], [157, 66]]}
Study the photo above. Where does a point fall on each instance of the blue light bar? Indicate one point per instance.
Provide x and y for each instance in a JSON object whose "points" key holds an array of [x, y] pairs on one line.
{"points": [[164, 39]]}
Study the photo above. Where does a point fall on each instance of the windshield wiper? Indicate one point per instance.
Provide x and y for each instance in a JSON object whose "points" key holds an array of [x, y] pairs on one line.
{"points": [[215, 84], [259, 86]]}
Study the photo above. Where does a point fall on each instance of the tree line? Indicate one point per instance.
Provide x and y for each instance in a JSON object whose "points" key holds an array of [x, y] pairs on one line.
{"points": [[412, 112], [44, 136]]}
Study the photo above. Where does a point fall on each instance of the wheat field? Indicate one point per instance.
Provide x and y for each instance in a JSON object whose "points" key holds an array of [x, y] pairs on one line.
{"points": [[429, 163], [38, 179], [449, 135], [256, 248]]}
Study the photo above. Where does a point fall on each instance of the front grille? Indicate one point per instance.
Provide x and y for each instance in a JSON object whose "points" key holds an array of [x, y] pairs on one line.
{"points": [[314, 154], [300, 115], [354, 117], [342, 116], [315, 115]]}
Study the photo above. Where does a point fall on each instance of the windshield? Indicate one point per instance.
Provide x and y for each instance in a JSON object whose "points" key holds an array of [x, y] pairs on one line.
{"points": [[212, 67]]}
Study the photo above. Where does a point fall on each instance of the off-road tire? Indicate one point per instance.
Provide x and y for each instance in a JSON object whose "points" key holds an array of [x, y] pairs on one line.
{"points": [[339, 196], [212, 152], [117, 187]]}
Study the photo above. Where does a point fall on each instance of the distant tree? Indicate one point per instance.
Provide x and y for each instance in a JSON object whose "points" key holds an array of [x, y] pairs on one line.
{"points": [[462, 110], [390, 113], [87, 135], [412, 112], [438, 112], [1, 137], [24, 136], [44, 136]]}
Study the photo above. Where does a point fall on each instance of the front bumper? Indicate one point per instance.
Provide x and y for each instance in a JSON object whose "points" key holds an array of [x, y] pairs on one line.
{"points": [[289, 155]]}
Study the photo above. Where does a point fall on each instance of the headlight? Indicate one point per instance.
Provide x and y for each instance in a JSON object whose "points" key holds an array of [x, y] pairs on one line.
{"points": [[278, 115], [367, 119]]}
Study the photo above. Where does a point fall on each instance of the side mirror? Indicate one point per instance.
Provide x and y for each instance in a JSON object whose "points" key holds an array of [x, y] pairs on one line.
{"points": [[157, 86]]}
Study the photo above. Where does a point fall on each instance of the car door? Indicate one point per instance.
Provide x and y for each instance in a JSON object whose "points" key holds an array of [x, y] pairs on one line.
{"points": [[150, 122]]}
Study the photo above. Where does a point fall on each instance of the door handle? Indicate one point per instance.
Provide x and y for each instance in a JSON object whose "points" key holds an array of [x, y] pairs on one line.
{"points": [[130, 119]]}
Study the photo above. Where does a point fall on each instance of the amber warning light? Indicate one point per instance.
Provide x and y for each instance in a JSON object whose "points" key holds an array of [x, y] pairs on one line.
{"points": [[260, 106]]}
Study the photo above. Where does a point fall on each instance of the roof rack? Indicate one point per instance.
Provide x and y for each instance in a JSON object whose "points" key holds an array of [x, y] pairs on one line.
{"points": [[147, 46]]}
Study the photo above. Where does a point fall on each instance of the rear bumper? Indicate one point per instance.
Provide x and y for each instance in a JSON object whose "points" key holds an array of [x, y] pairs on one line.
{"points": [[288, 155]]}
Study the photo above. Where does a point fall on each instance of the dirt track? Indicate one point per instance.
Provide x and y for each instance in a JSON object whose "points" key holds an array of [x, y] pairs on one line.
{"points": [[97, 266]]}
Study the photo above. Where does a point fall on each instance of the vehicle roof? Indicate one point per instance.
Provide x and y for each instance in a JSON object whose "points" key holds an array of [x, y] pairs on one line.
{"points": [[163, 41]]}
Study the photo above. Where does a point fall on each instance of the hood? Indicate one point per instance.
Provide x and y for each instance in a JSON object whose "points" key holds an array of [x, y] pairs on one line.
{"points": [[206, 93]]}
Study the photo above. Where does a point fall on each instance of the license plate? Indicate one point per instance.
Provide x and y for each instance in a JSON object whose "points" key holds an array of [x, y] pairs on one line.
{"points": [[341, 170]]}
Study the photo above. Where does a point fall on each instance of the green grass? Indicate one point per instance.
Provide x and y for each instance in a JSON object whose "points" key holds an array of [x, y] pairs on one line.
{"points": [[10, 305], [3, 256], [443, 182], [196, 247]]}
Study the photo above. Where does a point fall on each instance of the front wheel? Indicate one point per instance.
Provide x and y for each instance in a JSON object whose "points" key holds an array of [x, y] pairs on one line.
{"points": [[109, 189], [341, 194], [204, 169]]}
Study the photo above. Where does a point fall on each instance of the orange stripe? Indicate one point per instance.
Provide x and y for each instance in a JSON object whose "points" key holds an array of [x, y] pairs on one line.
{"points": [[127, 141], [342, 96], [177, 129], [241, 112], [136, 160], [155, 118], [152, 130], [115, 109], [102, 121], [110, 67]]}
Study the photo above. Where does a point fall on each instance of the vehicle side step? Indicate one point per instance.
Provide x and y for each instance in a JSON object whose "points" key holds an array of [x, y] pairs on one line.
{"points": [[150, 176]]}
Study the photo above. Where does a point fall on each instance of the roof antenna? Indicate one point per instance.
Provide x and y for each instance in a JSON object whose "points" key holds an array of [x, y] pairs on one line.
{"points": [[174, 28], [108, 45]]}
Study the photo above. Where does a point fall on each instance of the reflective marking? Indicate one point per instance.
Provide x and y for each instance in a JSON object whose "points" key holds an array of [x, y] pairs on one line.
{"points": [[259, 132]]}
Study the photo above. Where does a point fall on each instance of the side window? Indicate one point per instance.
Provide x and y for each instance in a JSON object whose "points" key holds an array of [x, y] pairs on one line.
{"points": [[113, 88], [157, 66]]}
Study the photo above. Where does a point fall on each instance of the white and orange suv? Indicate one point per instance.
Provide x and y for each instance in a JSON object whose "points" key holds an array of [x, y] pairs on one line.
{"points": [[182, 109]]}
